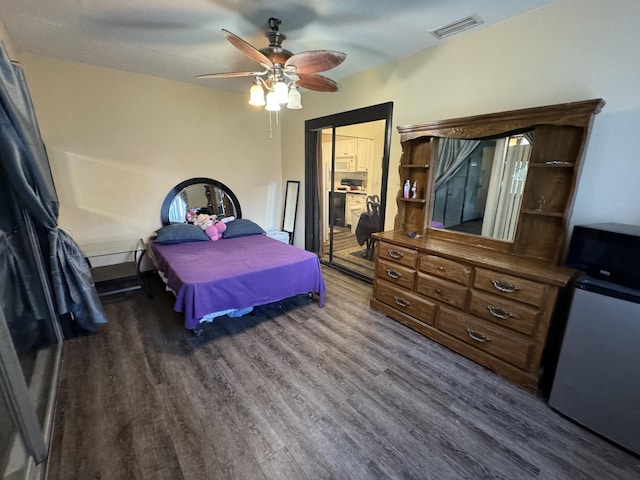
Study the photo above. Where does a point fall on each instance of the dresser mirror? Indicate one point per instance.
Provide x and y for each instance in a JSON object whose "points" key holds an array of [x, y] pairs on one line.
{"points": [[203, 194], [479, 184]]}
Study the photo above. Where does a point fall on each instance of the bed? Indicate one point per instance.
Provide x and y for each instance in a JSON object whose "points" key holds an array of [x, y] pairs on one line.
{"points": [[233, 274]]}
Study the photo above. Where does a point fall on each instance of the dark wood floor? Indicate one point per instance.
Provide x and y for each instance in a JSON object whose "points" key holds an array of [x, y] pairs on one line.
{"points": [[342, 239], [296, 392], [344, 245]]}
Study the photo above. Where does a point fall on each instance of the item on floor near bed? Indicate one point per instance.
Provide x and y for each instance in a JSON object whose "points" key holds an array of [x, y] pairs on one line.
{"points": [[232, 312], [241, 227], [180, 233]]}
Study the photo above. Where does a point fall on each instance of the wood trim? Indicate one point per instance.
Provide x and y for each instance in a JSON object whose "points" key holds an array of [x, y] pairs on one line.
{"points": [[487, 125]]}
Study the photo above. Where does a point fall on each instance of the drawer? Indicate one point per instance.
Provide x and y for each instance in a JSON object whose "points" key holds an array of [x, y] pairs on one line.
{"points": [[510, 286], [444, 268], [492, 339], [442, 290], [516, 316], [403, 256], [394, 273], [405, 301]]}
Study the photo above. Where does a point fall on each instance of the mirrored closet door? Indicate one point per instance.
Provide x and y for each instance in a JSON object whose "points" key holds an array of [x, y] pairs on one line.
{"points": [[351, 163]]}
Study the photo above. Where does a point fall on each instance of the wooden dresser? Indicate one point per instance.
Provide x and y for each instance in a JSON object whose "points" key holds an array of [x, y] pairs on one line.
{"points": [[489, 299], [492, 308]]}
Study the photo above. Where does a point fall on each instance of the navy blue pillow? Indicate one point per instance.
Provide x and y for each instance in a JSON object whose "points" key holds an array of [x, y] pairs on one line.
{"points": [[242, 227], [180, 233]]}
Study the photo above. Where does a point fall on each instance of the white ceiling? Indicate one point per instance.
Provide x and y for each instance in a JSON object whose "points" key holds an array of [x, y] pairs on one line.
{"points": [[179, 39]]}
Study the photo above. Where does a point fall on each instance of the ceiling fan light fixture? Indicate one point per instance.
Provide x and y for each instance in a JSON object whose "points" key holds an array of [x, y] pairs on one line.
{"points": [[281, 92], [278, 84], [272, 103], [295, 99], [256, 95]]}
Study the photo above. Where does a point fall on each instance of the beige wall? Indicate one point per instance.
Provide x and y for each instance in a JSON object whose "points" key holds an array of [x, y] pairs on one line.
{"points": [[572, 50], [118, 142], [4, 37]]}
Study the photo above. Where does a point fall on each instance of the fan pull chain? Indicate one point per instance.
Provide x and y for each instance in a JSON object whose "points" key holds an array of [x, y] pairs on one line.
{"points": [[277, 114]]}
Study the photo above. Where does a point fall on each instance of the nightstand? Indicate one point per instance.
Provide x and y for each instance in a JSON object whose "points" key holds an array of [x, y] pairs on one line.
{"points": [[120, 277]]}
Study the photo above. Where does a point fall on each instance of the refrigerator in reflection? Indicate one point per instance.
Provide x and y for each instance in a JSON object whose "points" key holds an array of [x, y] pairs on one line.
{"points": [[337, 205]]}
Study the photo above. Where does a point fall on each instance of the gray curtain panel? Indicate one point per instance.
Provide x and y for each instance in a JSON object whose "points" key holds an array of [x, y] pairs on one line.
{"points": [[452, 153], [27, 180]]}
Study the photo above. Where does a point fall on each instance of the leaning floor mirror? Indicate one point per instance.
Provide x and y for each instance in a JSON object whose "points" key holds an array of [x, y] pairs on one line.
{"points": [[290, 208]]}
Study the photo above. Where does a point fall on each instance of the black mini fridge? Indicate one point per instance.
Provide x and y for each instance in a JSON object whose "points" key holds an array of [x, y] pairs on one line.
{"points": [[597, 379]]}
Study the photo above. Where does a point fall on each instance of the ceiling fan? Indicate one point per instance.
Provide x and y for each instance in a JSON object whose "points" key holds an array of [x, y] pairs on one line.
{"points": [[283, 71]]}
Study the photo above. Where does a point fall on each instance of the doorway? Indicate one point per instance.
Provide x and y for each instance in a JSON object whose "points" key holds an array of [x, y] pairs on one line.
{"points": [[347, 162]]}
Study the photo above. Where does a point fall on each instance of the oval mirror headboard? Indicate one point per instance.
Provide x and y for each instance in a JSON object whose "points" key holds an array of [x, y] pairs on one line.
{"points": [[204, 194]]}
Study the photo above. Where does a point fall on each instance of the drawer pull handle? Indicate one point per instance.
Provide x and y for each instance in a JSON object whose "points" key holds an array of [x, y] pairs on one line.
{"points": [[393, 274], [402, 302], [438, 291], [477, 336], [441, 269], [395, 253], [500, 312], [505, 287]]}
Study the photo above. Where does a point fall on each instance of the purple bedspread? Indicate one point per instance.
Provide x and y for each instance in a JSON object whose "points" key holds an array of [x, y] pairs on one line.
{"points": [[236, 273]]}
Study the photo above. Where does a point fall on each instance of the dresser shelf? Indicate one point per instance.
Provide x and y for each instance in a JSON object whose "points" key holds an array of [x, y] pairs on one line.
{"points": [[542, 213]]}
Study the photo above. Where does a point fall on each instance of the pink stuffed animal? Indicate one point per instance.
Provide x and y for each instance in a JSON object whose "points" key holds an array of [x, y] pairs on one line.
{"points": [[203, 220], [210, 224], [214, 231]]}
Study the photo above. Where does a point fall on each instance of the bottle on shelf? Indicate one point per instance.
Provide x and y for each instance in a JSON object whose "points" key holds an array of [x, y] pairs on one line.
{"points": [[407, 188], [414, 190]]}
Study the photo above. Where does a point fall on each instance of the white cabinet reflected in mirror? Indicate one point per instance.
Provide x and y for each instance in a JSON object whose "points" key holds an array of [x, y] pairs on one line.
{"points": [[479, 183], [292, 192]]}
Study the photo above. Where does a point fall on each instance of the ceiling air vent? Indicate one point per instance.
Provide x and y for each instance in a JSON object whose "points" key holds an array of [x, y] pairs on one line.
{"points": [[456, 27]]}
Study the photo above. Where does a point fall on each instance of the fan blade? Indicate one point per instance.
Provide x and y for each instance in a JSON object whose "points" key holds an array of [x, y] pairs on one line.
{"points": [[313, 61], [248, 49], [229, 74], [313, 81]]}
